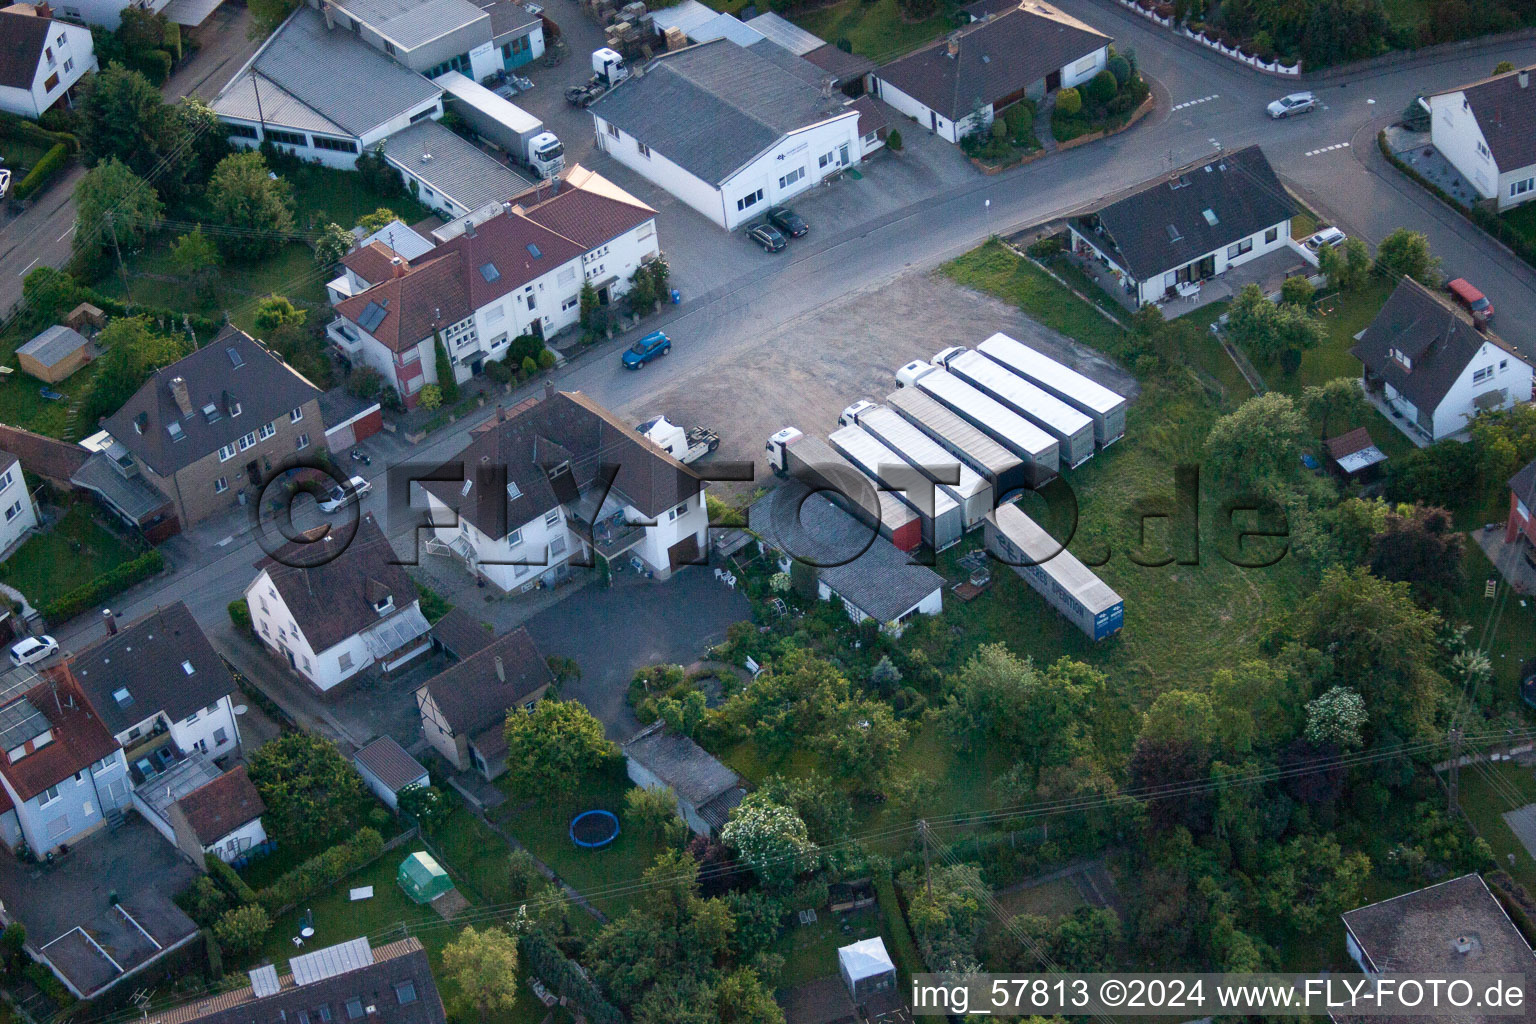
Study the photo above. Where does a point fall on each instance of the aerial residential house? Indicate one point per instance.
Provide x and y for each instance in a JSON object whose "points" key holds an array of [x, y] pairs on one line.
{"points": [[433, 37], [1487, 131], [557, 483], [201, 810], [1454, 928], [215, 424], [447, 172], [346, 982], [61, 772], [40, 59], [956, 86], [852, 563], [316, 90], [730, 129], [161, 690], [372, 258], [706, 790], [1432, 369], [19, 515], [464, 708], [387, 769], [514, 271], [1521, 524], [332, 615], [1190, 227]]}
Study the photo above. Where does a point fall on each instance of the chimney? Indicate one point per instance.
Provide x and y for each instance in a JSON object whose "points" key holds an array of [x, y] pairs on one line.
{"points": [[330, 16], [397, 266], [179, 392], [501, 669], [549, 389], [44, 10], [106, 613], [1524, 78], [469, 228]]}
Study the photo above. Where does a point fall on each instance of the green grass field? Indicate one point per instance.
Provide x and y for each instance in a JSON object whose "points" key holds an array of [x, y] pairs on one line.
{"points": [[1051, 899], [1486, 793], [810, 951], [73, 553], [1523, 219], [875, 28], [21, 401]]}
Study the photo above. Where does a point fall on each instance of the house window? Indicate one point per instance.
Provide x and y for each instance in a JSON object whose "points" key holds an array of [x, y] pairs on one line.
{"points": [[613, 129], [244, 131], [389, 48], [302, 443], [552, 517], [1520, 188], [679, 511], [52, 82], [287, 138], [190, 718], [306, 664], [268, 429], [49, 796], [645, 150], [749, 200], [823, 160], [1503, 365], [570, 303], [520, 570], [248, 440], [345, 661], [1482, 149], [69, 65], [220, 737], [1478, 376], [514, 538], [557, 547], [211, 708], [336, 145], [6, 478], [221, 485], [1271, 235], [1234, 251], [405, 992], [295, 415], [13, 511], [792, 177], [226, 453]]}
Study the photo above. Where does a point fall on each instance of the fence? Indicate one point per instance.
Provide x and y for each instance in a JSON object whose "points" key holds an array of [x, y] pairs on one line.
{"points": [[1236, 53]]}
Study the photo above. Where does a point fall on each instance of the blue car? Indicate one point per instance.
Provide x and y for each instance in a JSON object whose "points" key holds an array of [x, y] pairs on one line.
{"points": [[647, 348]]}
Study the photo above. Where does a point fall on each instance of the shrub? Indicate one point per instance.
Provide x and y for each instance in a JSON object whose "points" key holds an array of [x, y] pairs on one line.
{"points": [[241, 930], [498, 371], [1120, 68], [1102, 88], [228, 879], [1021, 122], [1000, 130], [1296, 291], [108, 584], [321, 871], [364, 382], [240, 613], [42, 172], [1069, 101], [546, 359], [893, 141], [431, 397], [1045, 248], [204, 902], [529, 367]]}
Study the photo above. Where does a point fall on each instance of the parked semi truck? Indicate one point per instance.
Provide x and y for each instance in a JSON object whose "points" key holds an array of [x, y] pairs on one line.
{"points": [[1072, 429], [1039, 450], [813, 462], [683, 445], [947, 471], [506, 125], [1087, 396], [941, 515], [608, 70]]}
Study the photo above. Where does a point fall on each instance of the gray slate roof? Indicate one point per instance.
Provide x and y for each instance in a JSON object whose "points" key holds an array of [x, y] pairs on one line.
{"points": [[1416, 933], [262, 385], [390, 763], [997, 57], [147, 659], [21, 47], [687, 768], [54, 344], [410, 23], [456, 168], [711, 108], [1506, 114], [339, 78], [1438, 338], [1163, 227], [861, 567], [1523, 484]]}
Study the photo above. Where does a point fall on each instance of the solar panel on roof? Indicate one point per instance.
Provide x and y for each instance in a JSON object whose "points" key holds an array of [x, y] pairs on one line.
{"points": [[19, 722], [331, 961], [489, 272], [372, 317], [264, 981]]}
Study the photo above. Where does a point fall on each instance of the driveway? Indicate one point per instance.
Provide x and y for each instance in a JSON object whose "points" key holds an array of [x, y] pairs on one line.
{"points": [[611, 632]]}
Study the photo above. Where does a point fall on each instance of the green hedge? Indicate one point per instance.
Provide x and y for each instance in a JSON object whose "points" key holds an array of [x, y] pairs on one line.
{"points": [[1521, 245], [107, 585], [567, 980], [43, 171], [229, 879], [13, 127], [321, 871]]}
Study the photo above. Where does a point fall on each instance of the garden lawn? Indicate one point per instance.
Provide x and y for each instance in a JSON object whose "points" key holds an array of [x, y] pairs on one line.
{"points": [[75, 551], [19, 155], [21, 401], [322, 195], [810, 951], [1054, 899], [543, 825], [1511, 618], [1485, 805], [876, 28], [1523, 219]]}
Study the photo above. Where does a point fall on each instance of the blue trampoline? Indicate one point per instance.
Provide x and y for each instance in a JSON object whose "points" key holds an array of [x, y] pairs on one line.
{"points": [[593, 830]]}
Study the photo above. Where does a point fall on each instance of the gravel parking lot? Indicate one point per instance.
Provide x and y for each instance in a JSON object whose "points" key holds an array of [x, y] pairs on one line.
{"points": [[807, 371]]}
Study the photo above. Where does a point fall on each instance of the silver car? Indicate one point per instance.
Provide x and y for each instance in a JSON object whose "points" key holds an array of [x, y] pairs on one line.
{"points": [[1295, 103]]}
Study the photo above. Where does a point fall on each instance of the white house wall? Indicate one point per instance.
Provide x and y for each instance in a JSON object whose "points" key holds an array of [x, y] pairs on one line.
{"points": [[1507, 198], [693, 519], [13, 494], [1153, 289], [925, 116], [201, 729], [541, 547], [329, 157], [275, 624], [73, 57], [1081, 70], [78, 807], [231, 846], [1453, 130], [1510, 375], [694, 191]]}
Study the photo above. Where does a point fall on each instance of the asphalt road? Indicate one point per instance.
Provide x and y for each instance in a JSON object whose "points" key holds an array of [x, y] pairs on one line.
{"points": [[1205, 102]]}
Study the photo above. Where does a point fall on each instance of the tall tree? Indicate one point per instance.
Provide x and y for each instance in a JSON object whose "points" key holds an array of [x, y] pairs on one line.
{"points": [[122, 115], [1422, 547], [447, 377], [311, 791], [1405, 253], [552, 748], [860, 740], [1332, 404], [334, 242], [133, 350], [1260, 441], [483, 967], [111, 198], [771, 838], [197, 258], [1310, 881], [255, 207]]}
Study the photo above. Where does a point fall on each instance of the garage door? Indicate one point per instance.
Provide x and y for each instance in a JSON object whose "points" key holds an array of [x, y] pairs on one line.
{"points": [[684, 552]]}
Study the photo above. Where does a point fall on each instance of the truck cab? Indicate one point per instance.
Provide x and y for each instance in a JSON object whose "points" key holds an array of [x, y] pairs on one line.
{"points": [[546, 155]]}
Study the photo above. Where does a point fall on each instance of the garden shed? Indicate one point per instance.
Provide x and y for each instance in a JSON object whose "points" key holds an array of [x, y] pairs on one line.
{"points": [[423, 878], [54, 354]]}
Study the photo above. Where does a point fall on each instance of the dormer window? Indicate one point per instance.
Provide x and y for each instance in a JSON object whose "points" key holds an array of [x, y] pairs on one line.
{"points": [[385, 605], [174, 429], [211, 413], [1401, 357]]}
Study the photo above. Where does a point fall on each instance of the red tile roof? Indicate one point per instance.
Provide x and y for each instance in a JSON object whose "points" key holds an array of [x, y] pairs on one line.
{"points": [[431, 295], [79, 737], [588, 218], [223, 805], [373, 262], [505, 241]]}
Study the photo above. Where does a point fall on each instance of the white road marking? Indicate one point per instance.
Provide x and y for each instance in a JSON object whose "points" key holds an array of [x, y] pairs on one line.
{"points": [[1190, 103], [1328, 149], [225, 541], [28, 267], [69, 232]]}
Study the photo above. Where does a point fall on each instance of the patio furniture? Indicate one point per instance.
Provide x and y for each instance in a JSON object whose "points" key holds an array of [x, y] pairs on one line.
{"points": [[1187, 289]]}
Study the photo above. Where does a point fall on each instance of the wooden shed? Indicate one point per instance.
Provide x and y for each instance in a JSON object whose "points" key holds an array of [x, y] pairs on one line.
{"points": [[54, 354]]}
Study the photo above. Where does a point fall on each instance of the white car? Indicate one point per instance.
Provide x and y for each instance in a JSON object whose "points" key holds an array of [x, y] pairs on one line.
{"points": [[1295, 103], [5, 181], [352, 490], [1327, 238], [32, 650]]}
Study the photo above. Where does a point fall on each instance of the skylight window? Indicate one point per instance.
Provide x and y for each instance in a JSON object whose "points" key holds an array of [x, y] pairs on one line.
{"points": [[514, 491], [234, 358], [186, 667], [122, 696], [489, 272], [533, 251], [211, 413], [174, 429], [1210, 216], [1173, 234], [372, 317]]}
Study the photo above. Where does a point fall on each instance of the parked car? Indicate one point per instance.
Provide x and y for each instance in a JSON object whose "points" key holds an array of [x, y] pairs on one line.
{"points": [[33, 649], [1295, 103], [1466, 293], [787, 221], [650, 347], [767, 236], [341, 494], [1327, 238]]}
